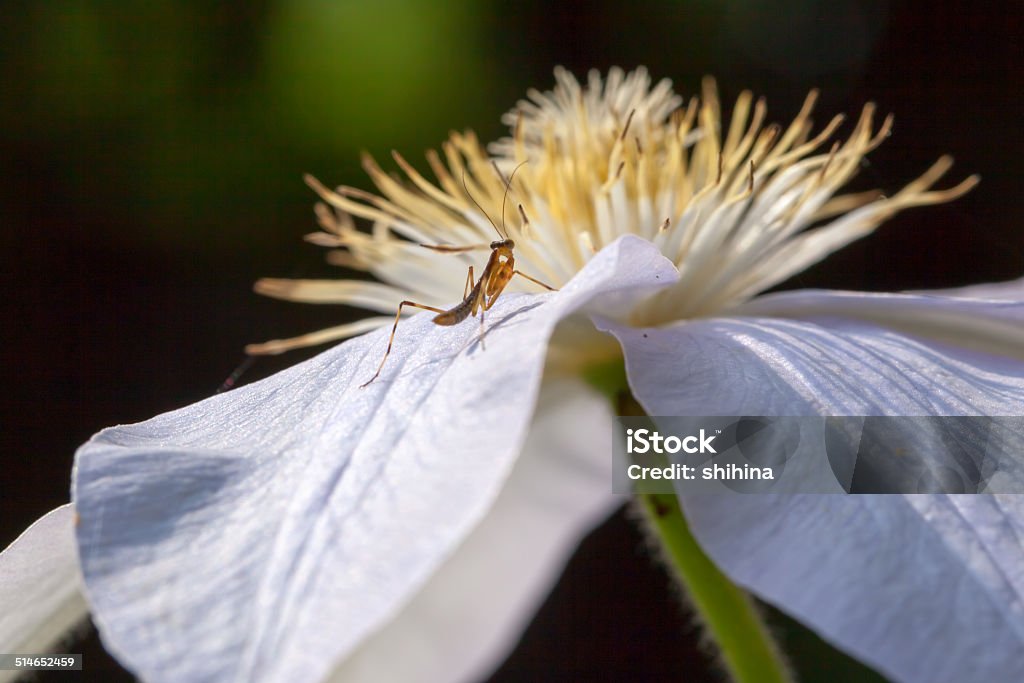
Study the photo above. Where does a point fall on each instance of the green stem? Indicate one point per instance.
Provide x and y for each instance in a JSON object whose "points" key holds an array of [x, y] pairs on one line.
{"points": [[750, 653], [747, 647]]}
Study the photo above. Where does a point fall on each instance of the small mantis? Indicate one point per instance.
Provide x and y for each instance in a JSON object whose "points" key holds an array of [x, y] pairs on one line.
{"points": [[478, 296]]}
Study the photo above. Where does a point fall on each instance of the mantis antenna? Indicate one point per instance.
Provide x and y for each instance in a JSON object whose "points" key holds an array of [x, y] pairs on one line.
{"points": [[473, 199], [504, 198], [507, 186]]}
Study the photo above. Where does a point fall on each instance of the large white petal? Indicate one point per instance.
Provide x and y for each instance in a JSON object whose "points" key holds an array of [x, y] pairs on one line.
{"points": [[558, 490], [40, 587], [1010, 290], [264, 533], [926, 588], [834, 366], [993, 323]]}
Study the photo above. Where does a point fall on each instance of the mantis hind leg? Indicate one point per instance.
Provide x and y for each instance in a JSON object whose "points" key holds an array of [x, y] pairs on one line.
{"points": [[534, 280], [394, 328]]}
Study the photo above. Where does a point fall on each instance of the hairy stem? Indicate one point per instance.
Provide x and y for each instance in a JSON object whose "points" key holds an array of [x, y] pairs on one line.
{"points": [[747, 648]]}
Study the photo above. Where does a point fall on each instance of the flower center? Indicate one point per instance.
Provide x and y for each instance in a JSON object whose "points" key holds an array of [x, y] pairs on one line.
{"points": [[738, 208]]}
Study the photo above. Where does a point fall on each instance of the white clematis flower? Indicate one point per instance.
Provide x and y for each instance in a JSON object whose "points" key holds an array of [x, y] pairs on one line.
{"points": [[301, 528]]}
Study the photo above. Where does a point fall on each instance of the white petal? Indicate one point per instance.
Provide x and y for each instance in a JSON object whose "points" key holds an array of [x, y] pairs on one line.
{"points": [[991, 326], [764, 366], [558, 490], [264, 533], [928, 589], [40, 587], [1012, 290]]}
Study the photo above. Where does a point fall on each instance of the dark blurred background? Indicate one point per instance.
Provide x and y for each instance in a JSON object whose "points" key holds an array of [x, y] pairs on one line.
{"points": [[151, 157]]}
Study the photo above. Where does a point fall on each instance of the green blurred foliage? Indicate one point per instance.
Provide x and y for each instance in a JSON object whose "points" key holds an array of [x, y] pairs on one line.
{"points": [[193, 125], [348, 75]]}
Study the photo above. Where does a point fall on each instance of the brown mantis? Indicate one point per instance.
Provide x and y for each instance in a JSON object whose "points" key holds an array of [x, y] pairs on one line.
{"points": [[478, 296]]}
